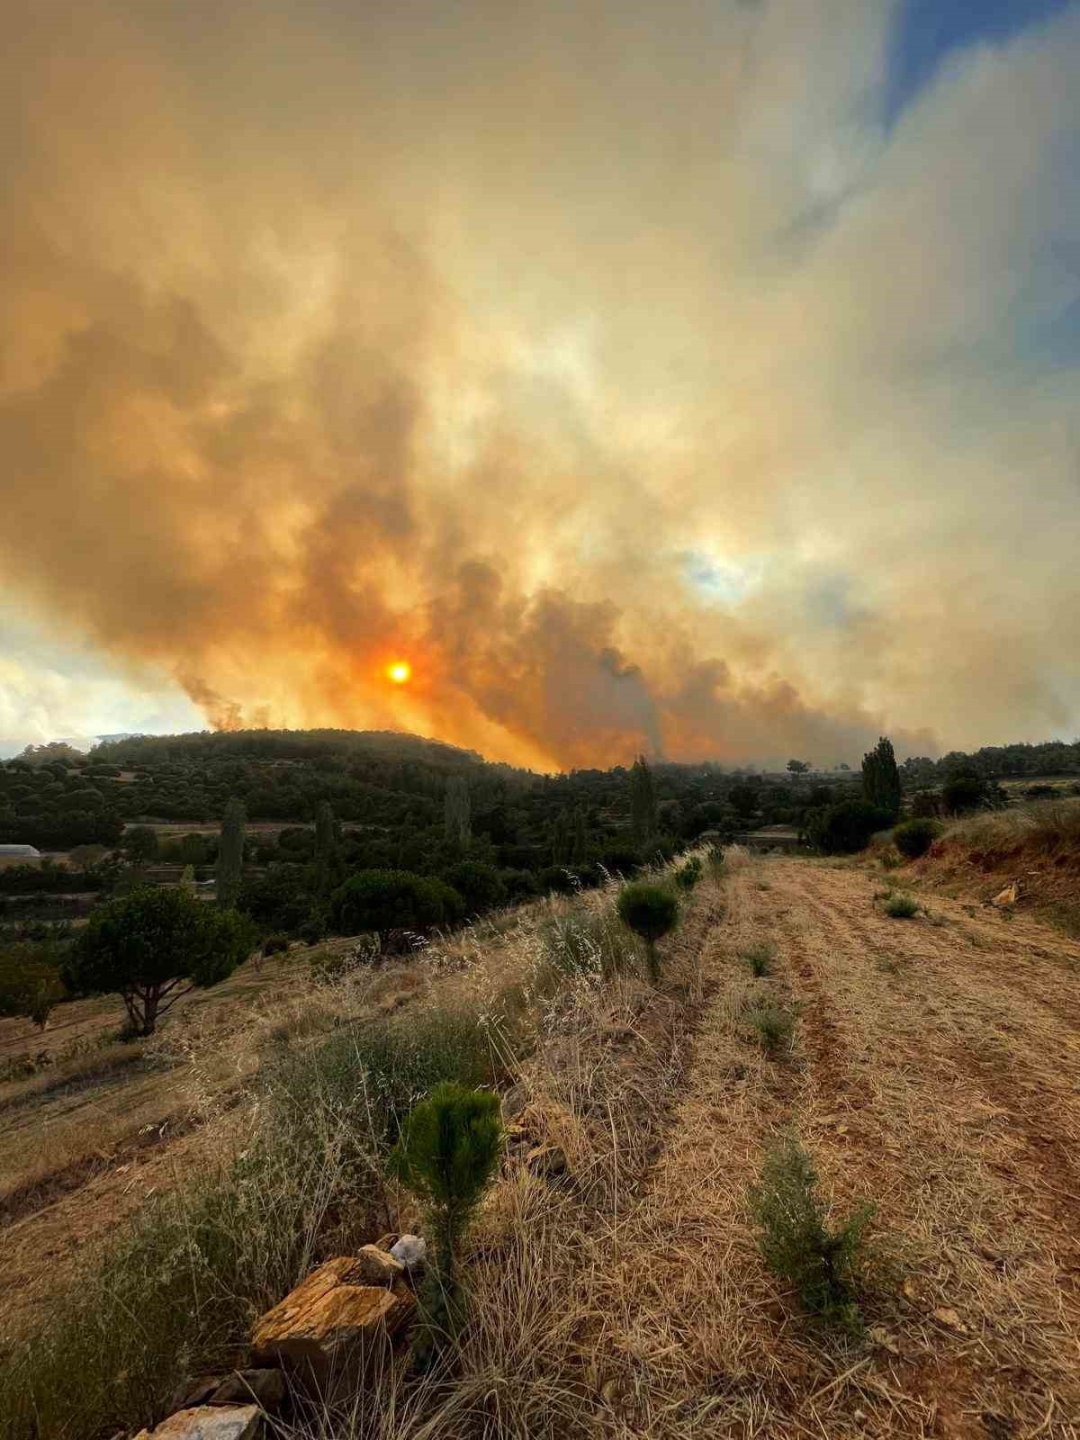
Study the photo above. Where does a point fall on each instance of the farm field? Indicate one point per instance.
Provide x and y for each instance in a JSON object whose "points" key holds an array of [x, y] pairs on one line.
{"points": [[932, 1073]]}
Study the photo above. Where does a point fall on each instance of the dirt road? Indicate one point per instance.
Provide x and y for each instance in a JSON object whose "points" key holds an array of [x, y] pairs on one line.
{"points": [[936, 1074]]}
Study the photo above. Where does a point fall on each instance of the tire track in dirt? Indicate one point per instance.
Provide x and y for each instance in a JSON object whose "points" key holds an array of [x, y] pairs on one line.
{"points": [[1014, 1082], [936, 1071]]}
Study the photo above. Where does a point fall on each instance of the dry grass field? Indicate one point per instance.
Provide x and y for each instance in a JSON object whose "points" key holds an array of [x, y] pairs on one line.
{"points": [[931, 1068]]}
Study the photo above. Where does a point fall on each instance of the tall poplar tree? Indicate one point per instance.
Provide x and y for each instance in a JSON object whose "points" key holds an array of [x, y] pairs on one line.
{"points": [[230, 860]]}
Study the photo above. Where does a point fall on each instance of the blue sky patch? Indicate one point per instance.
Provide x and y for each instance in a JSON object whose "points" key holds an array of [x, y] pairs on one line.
{"points": [[926, 31]]}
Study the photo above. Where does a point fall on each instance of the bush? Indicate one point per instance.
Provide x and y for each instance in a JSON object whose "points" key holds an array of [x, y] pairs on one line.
{"points": [[557, 879], [151, 947], [846, 828], [688, 875], [480, 886], [914, 837], [393, 900], [30, 983], [774, 1025], [759, 957], [651, 912], [901, 907], [797, 1243], [447, 1155], [276, 944], [963, 792]]}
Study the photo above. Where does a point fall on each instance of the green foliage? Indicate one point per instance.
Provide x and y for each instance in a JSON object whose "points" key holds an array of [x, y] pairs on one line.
{"points": [[230, 858], [457, 813], [965, 790], [901, 907], [847, 827], [140, 844], [30, 982], [393, 900], [276, 944], [651, 911], [914, 837], [775, 1026], [881, 778], [643, 810], [688, 875], [480, 886], [448, 1153], [797, 767], [152, 945], [759, 957], [822, 1264]]}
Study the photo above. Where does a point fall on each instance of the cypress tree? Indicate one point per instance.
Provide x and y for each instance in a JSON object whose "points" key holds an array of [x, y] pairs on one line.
{"points": [[881, 777], [230, 861], [642, 801], [457, 812]]}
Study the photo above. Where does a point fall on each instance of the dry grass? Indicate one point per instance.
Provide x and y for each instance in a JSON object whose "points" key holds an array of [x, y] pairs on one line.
{"points": [[932, 1075]]}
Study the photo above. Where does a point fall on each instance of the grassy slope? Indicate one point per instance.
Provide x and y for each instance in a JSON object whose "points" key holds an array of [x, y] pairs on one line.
{"points": [[932, 1073]]}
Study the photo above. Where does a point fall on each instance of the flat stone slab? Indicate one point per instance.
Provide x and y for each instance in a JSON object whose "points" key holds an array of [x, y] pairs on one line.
{"points": [[209, 1422]]}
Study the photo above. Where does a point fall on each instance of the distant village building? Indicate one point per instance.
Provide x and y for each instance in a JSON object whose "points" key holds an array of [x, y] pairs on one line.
{"points": [[19, 855]]}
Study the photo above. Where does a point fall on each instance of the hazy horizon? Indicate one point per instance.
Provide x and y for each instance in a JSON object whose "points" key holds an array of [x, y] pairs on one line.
{"points": [[696, 378]]}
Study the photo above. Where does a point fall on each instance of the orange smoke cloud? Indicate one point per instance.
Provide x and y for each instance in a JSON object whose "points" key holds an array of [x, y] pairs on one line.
{"points": [[507, 347]]}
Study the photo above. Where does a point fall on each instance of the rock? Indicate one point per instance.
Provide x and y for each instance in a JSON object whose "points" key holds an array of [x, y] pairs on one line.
{"points": [[209, 1422], [377, 1267], [947, 1316], [546, 1161], [327, 1328], [261, 1387], [1007, 897], [194, 1392], [514, 1102], [409, 1251]]}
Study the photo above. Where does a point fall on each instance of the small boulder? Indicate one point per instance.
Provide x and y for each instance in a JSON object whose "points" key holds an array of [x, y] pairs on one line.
{"points": [[209, 1422], [325, 1330], [546, 1162], [409, 1251], [264, 1387]]}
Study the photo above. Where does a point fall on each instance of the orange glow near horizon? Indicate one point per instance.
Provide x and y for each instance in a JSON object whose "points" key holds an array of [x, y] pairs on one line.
{"points": [[398, 672]]}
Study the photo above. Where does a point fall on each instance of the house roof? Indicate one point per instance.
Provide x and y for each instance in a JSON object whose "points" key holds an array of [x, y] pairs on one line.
{"points": [[29, 852]]}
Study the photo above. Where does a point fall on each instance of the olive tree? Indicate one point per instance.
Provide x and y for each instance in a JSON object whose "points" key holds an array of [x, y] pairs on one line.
{"points": [[151, 947]]}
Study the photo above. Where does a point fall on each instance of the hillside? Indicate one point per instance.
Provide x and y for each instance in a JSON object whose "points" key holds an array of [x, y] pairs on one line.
{"points": [[926, 1069]]}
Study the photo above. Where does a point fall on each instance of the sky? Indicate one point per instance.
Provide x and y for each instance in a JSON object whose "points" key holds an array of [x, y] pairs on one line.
{"points": [[699, 378]]}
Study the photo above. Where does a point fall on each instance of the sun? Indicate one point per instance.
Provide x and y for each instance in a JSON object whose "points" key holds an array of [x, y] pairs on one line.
{"points": [[399, 672]]}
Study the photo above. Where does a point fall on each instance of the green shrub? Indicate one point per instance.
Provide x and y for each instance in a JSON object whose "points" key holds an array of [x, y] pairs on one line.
{"points": [[480, 886], [846, 828], [901, 907], [448, 1153], [759, 957], [276, 944], [688, 875], [651, 912], [798, 1245], [775, 1026], [914, 837], [393, 900]]}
